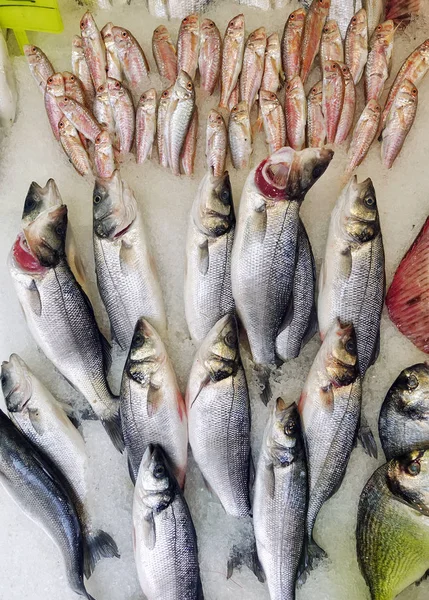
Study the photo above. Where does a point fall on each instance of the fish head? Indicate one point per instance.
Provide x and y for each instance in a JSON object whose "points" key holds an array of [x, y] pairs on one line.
{"points": [[114, 207], [240, 112], [103, 140], [161, 34], [273, 45], [70, 80], [331, 70], [341, 354], [88, 26], [191, 23], [372, 110], [359, 23], [16, 384], [184, 86], [362, 222], [284, 438], [33, 54], [316, 93], [102, 94], [155, 485], [235, 27], [257, 39], [408, 479], [77, 46], [215, 214], [107, 29], [297, 18], [215, 119], [331, 31], [208, 29], [46, 236], [347, 76], [322, 6], [122, 38], [268, 101], [407, 94], [65, 128], [55, 85], [383, 33], [272, 174], [410, 392], [66, 103], [39, 199], [307, 167], [295, 88], [148, 100], [115, 87], [166, 95], [146, 353], [219, 351]]}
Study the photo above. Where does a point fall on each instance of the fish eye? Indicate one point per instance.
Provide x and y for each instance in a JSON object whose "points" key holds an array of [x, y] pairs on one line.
{"points": [[224, 195], [317, 171], [60, 124], [34, 49], [189, 85], [159, 471], [412, 382], [60, 230], [82, 25], [351, 346], [124, 34], [292, 17], [354, 20], [98, 139], [369, 201], [230, 339], [185, 20], [50, 80], [325, 30], [66, 99], [72, 78], [138, 339], [164, 94], [117, 85], [414, 91], [101, 88], [413, 469], [97, 199], [290, 427], [379, 28]]}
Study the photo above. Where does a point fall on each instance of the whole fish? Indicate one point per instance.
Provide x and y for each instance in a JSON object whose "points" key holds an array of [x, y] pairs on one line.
{"points": [[160, 126], [331, 45], [392, 532], [253, 66], [73, 88], [343, 12], [8, 94], [102, 109], [79, 116], [40, 65], [414, 68], [208, 294], [348, 110], [352, 280], [104, 156], [81, 69], [94, 49], [187, 158], [131, 56], [300, 320], [296, 113], [329, 406], [240, 135], [126, 275], [216, 142], [210, 57], [232, 58], [54, 89], [178, 118], [333, 90], [152, 408], [356, 45], [73, 147], [273, 119], [379, 59], [316, 126], [399, 122], [264, 251], [38, 489], [403, 424], [374, 10], [291, 43], [65, 331], [218, 406], [280, 501], [145, 125], [363, 135], [314, 24], [114, 66], [164, 53], [165, 546], [123, 114], [272, 77], [188, 45], [44, 423]]}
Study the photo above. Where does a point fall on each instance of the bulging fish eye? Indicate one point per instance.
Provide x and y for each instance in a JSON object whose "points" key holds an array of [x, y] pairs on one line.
{"points": [[412, 382], [317, 171], [351, 346], [165, 94], [138, 340], [118, 85], [292, 17], [34, 49], [224, 195], [82, 25], [185, 20], [72, 77], [159, 472], [325, 30], [97, 199], [61, 125], [50, 80], [98, 139], [124, 34], [60, 230], [290, 427], [413, 469], [189, 85], [66, 99], [414, 92], [354, 20], [230, 339], [369, 201]]}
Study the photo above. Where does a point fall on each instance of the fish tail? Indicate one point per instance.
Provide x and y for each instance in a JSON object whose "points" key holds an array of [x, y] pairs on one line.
{"points": [[98, 545], [263, 375], [366, 437], [312, 555], [112, 425], [241, 555], [401, 11]]}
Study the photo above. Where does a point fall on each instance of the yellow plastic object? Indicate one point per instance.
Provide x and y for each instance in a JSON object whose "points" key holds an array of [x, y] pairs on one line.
{"points": [[30, 15]]}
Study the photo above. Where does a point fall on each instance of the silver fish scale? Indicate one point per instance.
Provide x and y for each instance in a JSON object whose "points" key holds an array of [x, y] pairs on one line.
{"points": [[342, 11], [219, 435], [178, 127]]}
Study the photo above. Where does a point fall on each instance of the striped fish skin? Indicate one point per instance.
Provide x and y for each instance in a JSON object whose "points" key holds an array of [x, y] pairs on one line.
{"points": [[210, 57], [343, 11], [296, 113], [39, 64], [187, 158], [54, 89], [104, 156], [273, 119], [73, 87], [94, 49], [133, 61], [103, 111], [188, 45], [73, 147], [348, 110], [114, 67], [333, 97], [272, 78], [145, 125], [374, 10], [80, 116], [81, 69], [314, 23], [160, 126], [356, 45], [291, 43], [164, 53], [379, 58], [363, 135], [253, 66], [316, 126], [232, 58], [122, 105], [216, 142], [331, 45]]}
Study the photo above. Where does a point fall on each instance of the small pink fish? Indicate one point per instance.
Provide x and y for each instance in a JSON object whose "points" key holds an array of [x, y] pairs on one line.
{"points": [[190, 145], [316, 126], [104, 156], [314, 23], [233, 99], [94, 49], [72, 146], [333, 97], [232, 60], [81, 69], [210, 56], [356, 45], [131, 56], [164, 53], [145, 125], [379, 58], [79, 116], [363, 135], [123, 114], [188, 45], [349, 106], [216, 143], [160, 126], [114, 67], [296, 113], [40, 65], [73, 88], [291, 43], [253, 66], [272, 77], [54, 89], [331, 46], [273, 119]]}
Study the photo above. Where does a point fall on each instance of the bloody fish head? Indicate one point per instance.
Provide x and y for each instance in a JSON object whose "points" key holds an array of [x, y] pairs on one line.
{"points": [[307, 167], [271, 176]]}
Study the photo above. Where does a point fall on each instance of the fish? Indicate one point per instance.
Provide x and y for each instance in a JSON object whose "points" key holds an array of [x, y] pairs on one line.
{"points": [[342, 12], [414, 68], [253, 66], [94, 49], [406, 299], [329, 406], [81, 69], [73, 147], [39, 64], [314, 24], [8, 94], [363, 135], [54, 89], [79, 116], [316, 126], [145, 125], [392, 531], [280, 502], [240, 135], [164, 53], [401, 11], [333, 90], [103, 111], [210, 56], [273, 75], [233, 99], [216, 142], [165, 547], [379, 59], [267, 235], [356, 45], [160, 126], [114, 65], [348, 110], [104, 156], [160, 8], [39, 490], [296, 113], [399, 122], [291, 43], [218, 407], [300, 320], [126, 275], [211, 226], [352, 279], [188, 45], [152, 408], [232, 58], [133, 61], [331, 45], [403, 424], [65, 331], [123, 113], [43, 421], [73, 88], [190, 145], [273, 119], [178, 119], [374, 10]]}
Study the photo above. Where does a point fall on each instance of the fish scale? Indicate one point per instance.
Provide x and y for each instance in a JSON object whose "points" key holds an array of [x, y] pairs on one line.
{"points": [[178, 118]]}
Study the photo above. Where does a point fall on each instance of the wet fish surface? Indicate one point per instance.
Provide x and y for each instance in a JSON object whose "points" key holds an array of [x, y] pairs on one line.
{"points": [[364, 134], [273, 75], [345, 123], [210, 57], [314, 23], [342, 11], [296, 113], [379, 59], [132, 58], [316, 126], [145, 125], [178, 118], [73, 147], [399, 122], [114, 66], [39, 64], [253, 66], [291, 43], [123, 114], [331, 46], [273, 119], [333, 89], [81, 69], [161, 140], [232, 58], [94, 49]]}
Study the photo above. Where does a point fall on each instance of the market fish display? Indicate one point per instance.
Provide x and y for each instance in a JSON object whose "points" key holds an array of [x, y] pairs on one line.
{"points": [[94, 49], [291, 43], [210, 56], [126, 275], [178, 118], [253, 66], [39, 64], [403, 424], [273, 119], [73, 88], [316, 126], [208, 294], [232, 58], [379, 58], [164, 53], [399, 122], [145, 125], [188, 45], [363, 135], [296, 113], [314, 23], [240, 135], [333, 89], [216, 142], [356, 45]]}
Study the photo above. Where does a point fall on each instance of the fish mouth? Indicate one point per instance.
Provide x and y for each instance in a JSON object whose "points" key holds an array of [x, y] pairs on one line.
{"points": [[123, 231], [271, 176]]}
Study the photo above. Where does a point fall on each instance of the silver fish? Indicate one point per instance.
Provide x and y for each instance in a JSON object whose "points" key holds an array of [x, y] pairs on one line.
{"points": [[114, 67], [178, 118], [39, 64], [160, 126], [240, 135], [145, 125], [123, 114], [342, 11], [374, 10]]}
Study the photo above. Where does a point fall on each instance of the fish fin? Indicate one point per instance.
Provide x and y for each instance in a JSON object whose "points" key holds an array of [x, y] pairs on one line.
{"points": [[242, 555], [263, 375], [203, 257], [35, 421], [312, 555], [154, 399], [98, 545], [34, 298], [131, 471], [366, 437], [149, 532], [202, 386], [113, 427], [257, 125], [401, 11]]}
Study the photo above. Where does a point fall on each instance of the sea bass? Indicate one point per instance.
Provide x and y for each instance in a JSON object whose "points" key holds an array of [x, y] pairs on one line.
{"points": [[232, 58]]}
